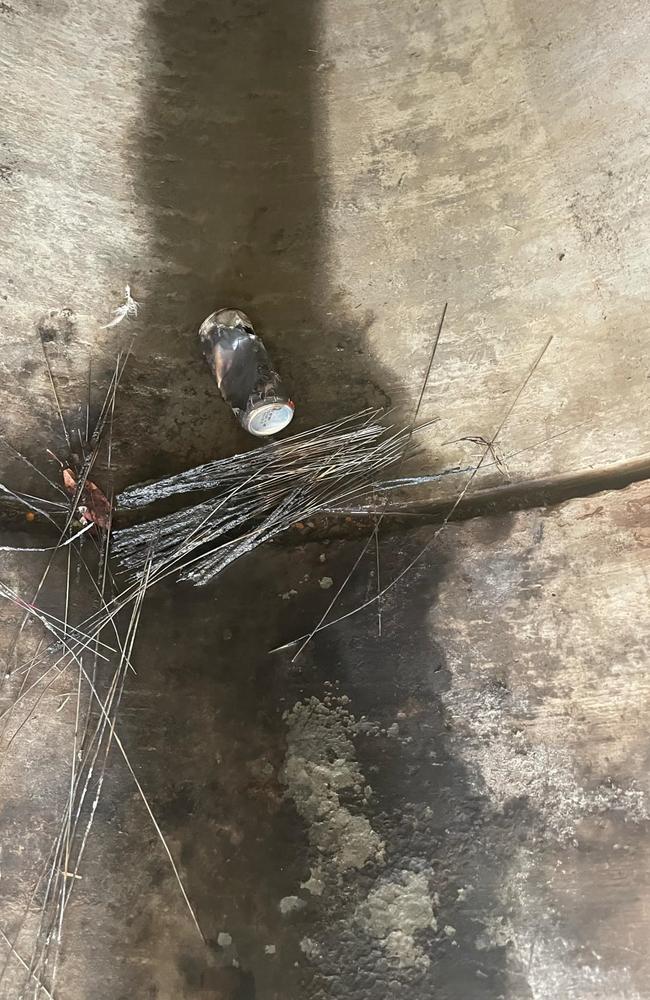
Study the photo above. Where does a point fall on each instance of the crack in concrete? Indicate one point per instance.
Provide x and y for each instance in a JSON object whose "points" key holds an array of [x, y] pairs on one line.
{"points": [[523, 495]]}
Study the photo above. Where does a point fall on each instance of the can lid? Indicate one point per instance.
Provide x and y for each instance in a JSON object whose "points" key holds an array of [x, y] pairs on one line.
{"points": [[269, 418]]}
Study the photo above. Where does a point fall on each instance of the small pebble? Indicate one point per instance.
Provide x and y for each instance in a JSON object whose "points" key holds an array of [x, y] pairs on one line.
{"points": [[227, 634], [290, 904], [325, 582], [269, 949], [309, 948], [224, 940], [322, 557]]}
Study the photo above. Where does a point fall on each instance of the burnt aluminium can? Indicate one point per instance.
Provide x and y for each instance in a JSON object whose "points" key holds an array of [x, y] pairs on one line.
{"points": [[243, 371]]}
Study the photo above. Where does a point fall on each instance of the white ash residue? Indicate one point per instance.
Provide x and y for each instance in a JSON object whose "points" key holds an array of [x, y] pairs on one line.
{"points": [[552, 968], [505, 762], [290, 904], [320, 764], [552, 972], [511, 766], [497, 932], [310, 948], [399, 907], [315, 884]]}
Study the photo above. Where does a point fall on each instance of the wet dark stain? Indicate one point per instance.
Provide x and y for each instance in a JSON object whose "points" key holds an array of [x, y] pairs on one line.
{"points": [[246, 988], [225, 983], [422, 805], [188, 854], [157, 875], [57, 325], [192, 971], [179, 807], [28, 368]]}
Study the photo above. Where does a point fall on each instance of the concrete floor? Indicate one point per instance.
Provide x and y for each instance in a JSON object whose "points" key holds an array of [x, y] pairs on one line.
{"points": [[340, 175], [461, 805]]}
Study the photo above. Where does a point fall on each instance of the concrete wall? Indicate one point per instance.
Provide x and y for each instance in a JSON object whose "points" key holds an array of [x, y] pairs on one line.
{"points": [[457, 808]]}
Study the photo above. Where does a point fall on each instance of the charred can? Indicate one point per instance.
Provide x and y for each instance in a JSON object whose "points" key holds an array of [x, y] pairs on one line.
{"points": [[244, 373]]}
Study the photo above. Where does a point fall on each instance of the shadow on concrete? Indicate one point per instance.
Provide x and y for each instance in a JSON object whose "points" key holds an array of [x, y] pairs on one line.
{"points": [[430, 816], [234, 167], [203, 722], [232, 164]]}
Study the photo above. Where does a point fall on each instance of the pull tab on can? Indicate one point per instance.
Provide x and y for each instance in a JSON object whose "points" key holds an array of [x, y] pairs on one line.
{"points": [[243, 371]]}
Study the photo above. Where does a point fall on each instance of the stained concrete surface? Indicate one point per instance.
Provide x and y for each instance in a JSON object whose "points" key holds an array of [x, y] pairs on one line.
{"points": [[458, 807], [340, 171]]}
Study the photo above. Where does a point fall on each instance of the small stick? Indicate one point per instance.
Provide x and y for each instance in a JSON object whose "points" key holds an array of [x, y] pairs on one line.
{"points": [[56, 396]]}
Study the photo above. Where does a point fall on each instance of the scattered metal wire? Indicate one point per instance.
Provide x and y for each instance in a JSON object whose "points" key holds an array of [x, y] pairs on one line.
{"points": [[489, 449], [353, 463], [257, 495], [97, 671]]}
